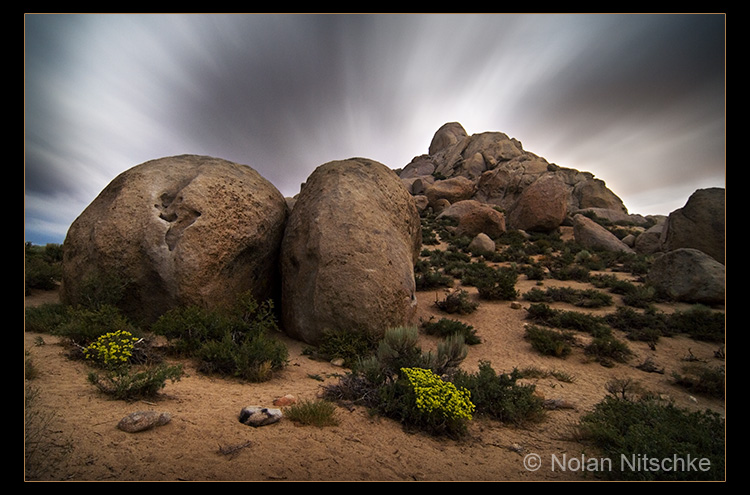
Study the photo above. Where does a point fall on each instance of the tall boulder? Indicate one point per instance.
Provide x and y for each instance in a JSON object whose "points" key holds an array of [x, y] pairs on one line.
{"points": [[700, 224], [349, 251], [180, 230]]}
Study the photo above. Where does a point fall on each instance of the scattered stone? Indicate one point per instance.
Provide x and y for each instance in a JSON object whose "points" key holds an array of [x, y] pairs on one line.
{"points": [[284, 401], [259, 416], [482, 244], [143, 420]]}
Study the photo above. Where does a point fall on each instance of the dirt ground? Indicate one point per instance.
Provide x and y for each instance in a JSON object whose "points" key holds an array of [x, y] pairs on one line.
{"points": [[205, 441]]}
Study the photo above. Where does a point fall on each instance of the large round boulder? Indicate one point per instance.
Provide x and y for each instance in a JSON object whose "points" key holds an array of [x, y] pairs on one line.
{"points": [[348, 255], [689, 275], [543, 205], [182, 230]]}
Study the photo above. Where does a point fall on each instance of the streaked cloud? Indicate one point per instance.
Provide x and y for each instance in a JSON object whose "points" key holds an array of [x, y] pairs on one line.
{"points": [[637, 100]]}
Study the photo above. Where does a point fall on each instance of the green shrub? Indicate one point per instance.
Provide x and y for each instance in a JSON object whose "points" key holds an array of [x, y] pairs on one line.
{"points": [[648, 429], [128, 384], [647, 326], [703, 379], [446, 327], [378, 381], [457, 301], [550, 342], [543, 314], [499, 285], [426, 278], [45, 318], [429, 403], [584, 298], [347, 345], [234, 341], [312, 413], [607, 348], [700, 323], [251, 357], [499, 396], [84, 325]]}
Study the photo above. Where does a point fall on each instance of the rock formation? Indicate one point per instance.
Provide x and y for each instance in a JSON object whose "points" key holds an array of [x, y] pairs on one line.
{"points": [[494, 169], [178, 231], [348, 254]]}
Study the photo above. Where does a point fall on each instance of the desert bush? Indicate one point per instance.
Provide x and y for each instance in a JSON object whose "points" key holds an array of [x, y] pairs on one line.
{"points": [[646, 326], [83, 325], [378, 381], [648, 429], [700, 323], [500, 396], [350, 346], [607, 348], [543, 314], [446, 327], [42, 266], [703, 379], [312, 413], [45, 318], [421, 399], [550, 342], [498, 285], [457, 302], [234, 341], [584, 298], [128, 383], [425, 277], [253, 356]]}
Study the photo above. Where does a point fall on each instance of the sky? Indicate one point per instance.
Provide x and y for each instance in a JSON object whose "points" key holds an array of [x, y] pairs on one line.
{"points": [[637, 100]]}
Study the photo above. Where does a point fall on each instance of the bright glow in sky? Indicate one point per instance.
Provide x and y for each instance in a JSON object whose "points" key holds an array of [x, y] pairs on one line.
{"points": [[637, 100]]}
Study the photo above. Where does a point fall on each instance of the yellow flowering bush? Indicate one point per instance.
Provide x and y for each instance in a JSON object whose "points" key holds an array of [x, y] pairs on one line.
{"points": [[112, 349], [439, 400]]}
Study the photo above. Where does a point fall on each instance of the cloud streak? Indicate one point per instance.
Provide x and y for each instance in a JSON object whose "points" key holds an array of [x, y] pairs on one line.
{"points": [[636, 100]]}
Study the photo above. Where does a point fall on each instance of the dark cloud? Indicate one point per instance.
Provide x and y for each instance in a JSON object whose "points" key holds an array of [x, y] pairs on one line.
{"points": [[637, 100]]}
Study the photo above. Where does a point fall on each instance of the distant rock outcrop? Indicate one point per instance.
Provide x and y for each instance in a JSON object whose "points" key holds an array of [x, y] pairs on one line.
{"points": [[492, 168], [178, 231], [348, 255]]}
